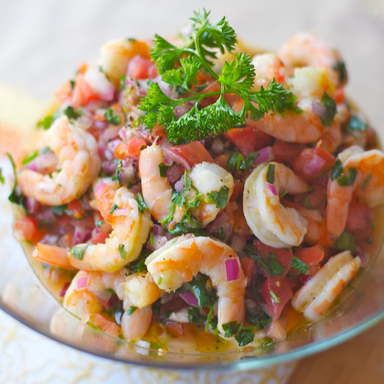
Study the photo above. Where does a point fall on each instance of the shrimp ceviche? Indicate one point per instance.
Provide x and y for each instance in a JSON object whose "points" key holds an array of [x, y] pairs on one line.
{"points": [[188, 190]]}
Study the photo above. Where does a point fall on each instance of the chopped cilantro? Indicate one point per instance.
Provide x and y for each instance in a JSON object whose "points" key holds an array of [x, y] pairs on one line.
{"points": [[100, 223], [337, 170], [112, 118], [152, 239], [163, 169], [27, 159], [208, 319], [194, 316], [72, 83], [258, 317], [156, 344], [14, 197], [59, 209], [115, 177], [271, 173], [220, 234], [213, 324], [268, 261], [274, 297], [346, 242], [307, 203], [355, 124], [206, 296], [2, 180], [232, 328], [348, 179], [123, 83], [219, 198], [78, 252], [246, 336], [339, 67], [159, 280], [141, 203], [282, 194], [139, 264], [46, 122], [330, 105], [234, 161], [122, 252], [71, 113], [299, 265], [267, 344], [113, 209], [131, 310], [247, 163], [365, 182]]}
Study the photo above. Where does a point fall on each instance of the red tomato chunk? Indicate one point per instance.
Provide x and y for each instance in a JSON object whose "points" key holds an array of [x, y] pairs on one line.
{"points": [[286, 152], [194, 153], [311, 256]]}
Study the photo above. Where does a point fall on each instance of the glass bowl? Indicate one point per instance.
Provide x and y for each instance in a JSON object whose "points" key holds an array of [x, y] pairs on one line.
{"points": [[356, 27]]}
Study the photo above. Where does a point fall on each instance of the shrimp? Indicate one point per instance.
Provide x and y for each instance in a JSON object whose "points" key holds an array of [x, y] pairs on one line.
{"points": [[157, 190], [305, 49], [271, 222], [79, 166], [368, 187], [331, 138], [87, 296], [321, 290], [268, 66], [309, 85], [208, 178], [115, 56], [180, 259], [131, 228]]}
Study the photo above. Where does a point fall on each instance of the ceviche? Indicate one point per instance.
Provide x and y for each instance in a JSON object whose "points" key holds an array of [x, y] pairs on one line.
{"points": [[187, 190]]}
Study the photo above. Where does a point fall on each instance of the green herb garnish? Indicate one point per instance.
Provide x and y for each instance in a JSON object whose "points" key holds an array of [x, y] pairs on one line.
{"points": [[330, 107], [27, 159], [78, 252], [141, 203], [219, 198], [72, 113], [337, 170], [271, 173], [130, 310], [274, 297], [46, 122], [365, 182], [163, 169], [122, 252], [348, 179], [299, 265], [113, 209], [112, 118], [346, 242]]}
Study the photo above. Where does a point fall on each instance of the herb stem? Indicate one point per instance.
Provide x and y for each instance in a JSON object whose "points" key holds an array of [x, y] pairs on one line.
{"points": [[201, 56]]}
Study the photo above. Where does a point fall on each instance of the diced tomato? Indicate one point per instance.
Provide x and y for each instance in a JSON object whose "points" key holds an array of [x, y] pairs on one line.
{"points": [[120, 151], [311, 256], [26, 228], [100, 238], [359, 221], [284, 257], [248, 140], [313, 200], [222, 159], [194, 153], [276, 292], [238, 221], [64, 93], [237, 190], [339, 95], [248, 265], [295, 282], [141, 68], [135, 145], [371, 137], [175, 329], [313, 162], [76, 208], [286, 152], [82, 92]]}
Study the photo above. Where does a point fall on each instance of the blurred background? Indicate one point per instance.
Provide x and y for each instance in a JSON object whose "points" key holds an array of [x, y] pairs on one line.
{"points": [[42, 42]]}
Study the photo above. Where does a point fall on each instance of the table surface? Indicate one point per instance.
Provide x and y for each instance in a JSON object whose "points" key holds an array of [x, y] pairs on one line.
{"points": [[360, 360]]}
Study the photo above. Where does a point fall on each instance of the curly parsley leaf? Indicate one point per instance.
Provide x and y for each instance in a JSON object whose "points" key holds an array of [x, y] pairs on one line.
{"points": [[219, 198], [206, 296]]}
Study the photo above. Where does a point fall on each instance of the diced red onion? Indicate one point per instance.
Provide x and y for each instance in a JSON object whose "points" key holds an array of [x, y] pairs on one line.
{"points": [[271, 188], [175, 172], [238, 243], [99, 124], [323, 180], [176, 157], [277, 330], [158, 230], [304, 278], [127, 175], [364, 257], [123, 134], [64, 290], [221, 218], [99, 84], [112, 132], [232, 269], [319, 109], [227, 229], [82, 282], [109, 166], [315, 165], [179, 185], [265, 155], [217, 146], [112, 145], [32, 205], [80, 235], [109, 155], [44, 163], [158, 242], [189, 298], [50, 239]]}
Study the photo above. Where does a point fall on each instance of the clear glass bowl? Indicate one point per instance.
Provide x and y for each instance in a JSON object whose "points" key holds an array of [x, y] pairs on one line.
{"points": [[356, 27]]}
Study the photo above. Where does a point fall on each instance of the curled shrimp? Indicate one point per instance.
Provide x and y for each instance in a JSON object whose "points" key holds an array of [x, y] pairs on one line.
{"points": [[271, 222], [180, 259], [368, 187], [87, 296], [131, 228], [305, 49], [320, 291], [115, 56], [79, 165], [309, 85], [268, 66]]}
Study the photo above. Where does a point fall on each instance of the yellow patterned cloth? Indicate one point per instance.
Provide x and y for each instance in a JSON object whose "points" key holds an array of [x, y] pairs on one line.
{"points": [[27, 357]]}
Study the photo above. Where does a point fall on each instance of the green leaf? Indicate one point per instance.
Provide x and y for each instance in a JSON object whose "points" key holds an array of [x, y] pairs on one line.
{"points": [[365, 182], [100, 223], [274, 297], [141, 203], [112, 118], [245, 337], [78, 252], [232, 328], [348, 179], [30, 157], [46, 122], [206, 296], [247, 163], [337, 170], [234, 161], [130, 310], [138, 265], [220, 234], [123, 83], [194, 316], [299, 265], [122, 252], [346, 242], [213, 324], [115, 177], [59, 209], [330, 105], [268, 261], [355, 124], [258, 317], [307, 203], [219, 198], [339, 67], [113, 209], [271, 173], [14, 197], [163, 169], [71, 113], [2, 180]]}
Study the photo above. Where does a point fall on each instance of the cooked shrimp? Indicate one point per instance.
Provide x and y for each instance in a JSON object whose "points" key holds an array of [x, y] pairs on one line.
{"points": [[321, 290], [307, 50], [271, 222], [115, 56], [79, 166], [180, 259], [268, 66], [309, 85], [368, 186], [331, 138], [87, 296], [208, 178], [157, 190], [131, 228]]}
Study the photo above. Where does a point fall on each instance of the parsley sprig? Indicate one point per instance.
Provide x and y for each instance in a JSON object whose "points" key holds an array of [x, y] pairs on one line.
{"points": [[180, 67]]}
